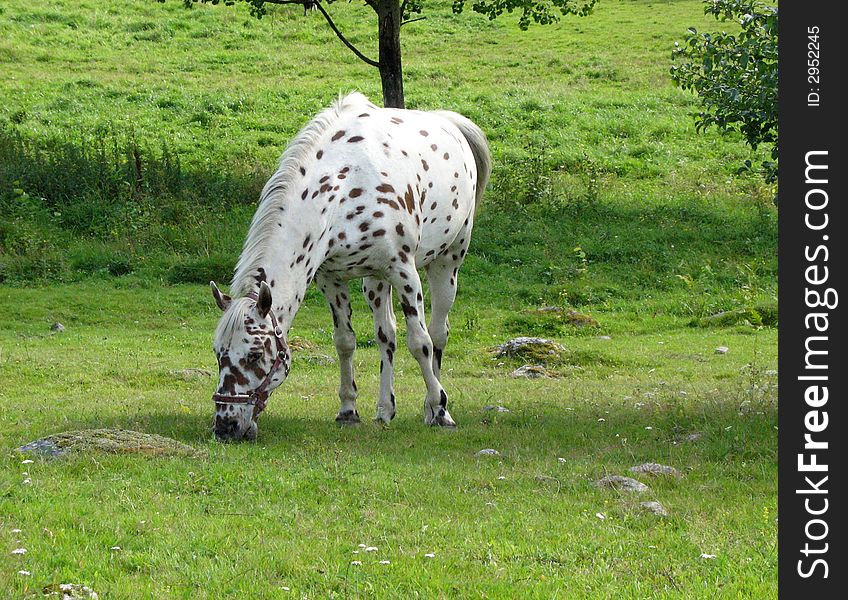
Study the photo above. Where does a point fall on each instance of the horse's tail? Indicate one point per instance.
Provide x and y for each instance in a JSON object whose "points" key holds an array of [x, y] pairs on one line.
{"points": [[479, 148]]}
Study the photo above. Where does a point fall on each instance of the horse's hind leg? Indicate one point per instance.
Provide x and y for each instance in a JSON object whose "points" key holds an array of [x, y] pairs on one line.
{"points": [[406, 281], [378, 293], [441, 274], [336, 293]]}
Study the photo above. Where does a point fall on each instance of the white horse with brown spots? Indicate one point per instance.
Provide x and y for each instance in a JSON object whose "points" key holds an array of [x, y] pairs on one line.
{"points": [[363, 192]]}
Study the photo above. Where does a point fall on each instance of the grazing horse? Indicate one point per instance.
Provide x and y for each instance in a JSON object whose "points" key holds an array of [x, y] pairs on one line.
{"points": [[362, 191]]}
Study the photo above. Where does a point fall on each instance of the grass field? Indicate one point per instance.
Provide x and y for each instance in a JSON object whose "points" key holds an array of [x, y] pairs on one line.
{"points": [[603, 199]]}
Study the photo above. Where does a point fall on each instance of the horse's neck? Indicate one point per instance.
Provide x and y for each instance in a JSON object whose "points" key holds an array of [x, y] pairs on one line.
{"points": [[291, 256]]}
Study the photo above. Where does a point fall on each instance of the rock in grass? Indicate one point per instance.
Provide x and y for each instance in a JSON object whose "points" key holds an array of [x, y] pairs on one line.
{"points": [[57, 327], [656, 469], [569, 317], [529, 347], [618, 482], [689, 437], [533, 372], [69, 591], [297, 344], [488, 452], [46, 448], [319, 359], [722, 350], [580, 320], [113, 441], [190, 374], [500, 409], [742, 316], [654, 507]]}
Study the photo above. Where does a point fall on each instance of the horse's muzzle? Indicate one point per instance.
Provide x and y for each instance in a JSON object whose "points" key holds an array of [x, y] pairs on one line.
{"points": [[229, 429], [225, 427]]}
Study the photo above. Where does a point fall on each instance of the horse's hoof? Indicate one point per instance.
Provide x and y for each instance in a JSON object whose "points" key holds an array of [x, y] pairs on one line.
{"points": [[385, 414], [441, 419], [348, 417], [444, 423], [382, 423]]}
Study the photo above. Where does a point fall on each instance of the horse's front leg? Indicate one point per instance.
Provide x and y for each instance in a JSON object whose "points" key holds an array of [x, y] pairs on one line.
{"points": [[378, 293], [337, 294]]}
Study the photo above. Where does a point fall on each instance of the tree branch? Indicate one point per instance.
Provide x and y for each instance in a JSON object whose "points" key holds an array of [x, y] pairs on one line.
{"points": [[412, 20], [332, 25], [344, 40]]}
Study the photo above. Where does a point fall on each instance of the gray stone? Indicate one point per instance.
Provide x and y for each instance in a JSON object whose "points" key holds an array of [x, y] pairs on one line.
{"points": [[722, 350], [488, 452], [45, 447], [656, 470], [500, 409], [191, 374], [528, 345], [114, 441], [654, 507], [532, 372], [57, 327], [617, 482], [318, 359], [69, 591]]}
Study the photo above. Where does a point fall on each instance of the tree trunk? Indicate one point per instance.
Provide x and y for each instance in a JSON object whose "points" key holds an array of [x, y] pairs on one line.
{"points": [[391, 72]]}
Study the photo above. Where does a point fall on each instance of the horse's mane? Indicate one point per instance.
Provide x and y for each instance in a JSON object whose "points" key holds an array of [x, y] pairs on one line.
{"points": [[275, 192]]}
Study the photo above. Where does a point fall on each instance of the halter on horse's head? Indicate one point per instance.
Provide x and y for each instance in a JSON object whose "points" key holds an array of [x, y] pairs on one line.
{"points": [[253, 359]]}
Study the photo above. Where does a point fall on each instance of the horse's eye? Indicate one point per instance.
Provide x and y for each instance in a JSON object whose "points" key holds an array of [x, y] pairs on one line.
{"points": [[254, 357]]}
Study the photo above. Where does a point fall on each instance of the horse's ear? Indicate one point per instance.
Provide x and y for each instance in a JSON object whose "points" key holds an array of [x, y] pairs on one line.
{"points": [[263, 303], [221, 299]]}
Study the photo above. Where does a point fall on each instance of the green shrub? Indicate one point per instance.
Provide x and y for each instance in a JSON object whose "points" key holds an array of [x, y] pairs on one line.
{"points": [[201, 270], [100, 260], [735, 75]]}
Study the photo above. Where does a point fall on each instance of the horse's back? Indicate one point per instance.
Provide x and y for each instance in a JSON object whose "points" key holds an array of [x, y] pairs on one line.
{"points": [[407, 186]]}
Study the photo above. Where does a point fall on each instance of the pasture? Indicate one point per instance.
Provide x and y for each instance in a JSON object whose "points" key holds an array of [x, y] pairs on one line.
{"points": [[604, 199]]}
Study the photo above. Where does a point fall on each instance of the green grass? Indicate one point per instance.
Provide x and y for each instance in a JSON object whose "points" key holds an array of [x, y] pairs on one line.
{"points": [[582, 112], [290, 509], [603, 199]]}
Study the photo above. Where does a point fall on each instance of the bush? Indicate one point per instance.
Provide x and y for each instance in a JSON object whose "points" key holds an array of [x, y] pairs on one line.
{"points": [[201, 270], [735, 75], [101, 260]]}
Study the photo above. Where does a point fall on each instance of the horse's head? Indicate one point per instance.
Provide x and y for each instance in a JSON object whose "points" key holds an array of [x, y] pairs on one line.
{"points": [[253, 359]]}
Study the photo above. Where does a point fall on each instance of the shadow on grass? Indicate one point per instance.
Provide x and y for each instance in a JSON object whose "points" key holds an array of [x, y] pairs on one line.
{"points": [[724, 434]]}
